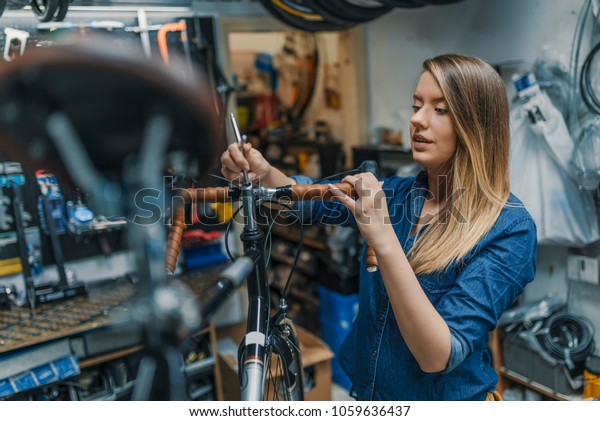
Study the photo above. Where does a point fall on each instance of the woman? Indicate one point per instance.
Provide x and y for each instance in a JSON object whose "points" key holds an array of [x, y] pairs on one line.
{"points": [[454, 247]]}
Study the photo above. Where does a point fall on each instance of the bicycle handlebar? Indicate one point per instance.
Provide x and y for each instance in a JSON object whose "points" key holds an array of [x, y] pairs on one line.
{"points": [[296, 192]]}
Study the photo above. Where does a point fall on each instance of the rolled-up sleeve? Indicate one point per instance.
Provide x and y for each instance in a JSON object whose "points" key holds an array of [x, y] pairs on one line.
{"points": [[487, 286]]}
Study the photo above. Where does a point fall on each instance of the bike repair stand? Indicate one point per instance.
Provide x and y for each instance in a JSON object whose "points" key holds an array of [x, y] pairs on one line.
{"points": [[63, 289], [43, 293]]}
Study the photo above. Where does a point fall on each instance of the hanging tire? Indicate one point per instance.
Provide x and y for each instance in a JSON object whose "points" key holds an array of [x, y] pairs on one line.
{"points": [[2, 6], [436, 2], [295, 15], [333, 16], [61, 12], [45, 10], [404, 4], [350, 9]]}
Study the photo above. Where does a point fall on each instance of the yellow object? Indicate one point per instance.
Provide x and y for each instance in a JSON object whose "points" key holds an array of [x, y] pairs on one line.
{"points": [[10, 266], [243, 117], [591, 379], [224, 211]]}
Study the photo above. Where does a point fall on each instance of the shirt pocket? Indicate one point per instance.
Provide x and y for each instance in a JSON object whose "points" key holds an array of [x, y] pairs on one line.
{"points": [[437, 283]]}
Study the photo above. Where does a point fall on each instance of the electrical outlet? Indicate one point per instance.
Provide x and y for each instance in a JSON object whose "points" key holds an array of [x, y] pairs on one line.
{"points": [[573, 268], [583, 269], [588, 270]]}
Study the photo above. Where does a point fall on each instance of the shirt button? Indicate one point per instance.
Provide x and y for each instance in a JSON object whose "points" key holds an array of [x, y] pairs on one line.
{"points": [[374, 353], [382, 317]]}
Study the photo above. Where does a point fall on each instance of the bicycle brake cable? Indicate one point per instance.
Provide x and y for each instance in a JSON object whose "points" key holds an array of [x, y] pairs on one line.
{"points": [[337, 175], [298, 250], [227, 234]]}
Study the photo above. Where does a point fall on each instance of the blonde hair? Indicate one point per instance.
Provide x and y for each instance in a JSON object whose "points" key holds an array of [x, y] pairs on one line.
{"points": [[479, 183]]}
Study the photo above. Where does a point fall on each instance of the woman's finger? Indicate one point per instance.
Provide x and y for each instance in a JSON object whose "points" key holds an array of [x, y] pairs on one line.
{"points": [[229, 165], [350, 179], [346, 200], [237, 156]]}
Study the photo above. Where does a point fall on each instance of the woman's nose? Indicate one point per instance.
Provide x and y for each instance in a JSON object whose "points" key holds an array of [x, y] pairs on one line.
{"points": [[418, 119]]}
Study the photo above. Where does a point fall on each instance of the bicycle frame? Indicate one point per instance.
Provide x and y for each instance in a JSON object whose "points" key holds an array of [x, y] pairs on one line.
{"points": [[262, 330]]}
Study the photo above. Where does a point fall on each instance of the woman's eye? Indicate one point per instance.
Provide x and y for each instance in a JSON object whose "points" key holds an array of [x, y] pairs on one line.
{"points": [[415, 108], [441, 111]]}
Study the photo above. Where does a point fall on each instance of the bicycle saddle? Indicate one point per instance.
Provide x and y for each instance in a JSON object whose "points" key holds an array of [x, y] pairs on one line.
{"points": [[108, 96]]}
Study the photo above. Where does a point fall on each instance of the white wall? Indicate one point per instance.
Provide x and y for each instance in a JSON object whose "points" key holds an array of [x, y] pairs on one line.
{"points": [[498, 31], [495, 30]]}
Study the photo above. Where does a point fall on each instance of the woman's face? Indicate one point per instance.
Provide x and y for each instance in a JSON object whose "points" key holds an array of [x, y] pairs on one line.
{"points": [[432, 135]]}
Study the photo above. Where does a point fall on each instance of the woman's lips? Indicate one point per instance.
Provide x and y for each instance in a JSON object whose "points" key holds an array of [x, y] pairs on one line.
{"points": [[420, 143]]}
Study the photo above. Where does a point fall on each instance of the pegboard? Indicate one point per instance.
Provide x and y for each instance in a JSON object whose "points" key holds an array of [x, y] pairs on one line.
{"points": [[84, 22]]}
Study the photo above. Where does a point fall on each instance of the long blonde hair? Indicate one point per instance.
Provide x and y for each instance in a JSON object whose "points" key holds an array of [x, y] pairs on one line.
{"points": [[478, 178]]}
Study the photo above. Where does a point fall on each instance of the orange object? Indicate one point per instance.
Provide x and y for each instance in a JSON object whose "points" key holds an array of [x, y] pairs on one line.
{"points": [[591, 379], [162, 37]]}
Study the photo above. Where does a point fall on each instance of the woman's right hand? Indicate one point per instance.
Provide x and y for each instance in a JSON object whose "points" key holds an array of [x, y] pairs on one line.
{"points": [[235, 160]]}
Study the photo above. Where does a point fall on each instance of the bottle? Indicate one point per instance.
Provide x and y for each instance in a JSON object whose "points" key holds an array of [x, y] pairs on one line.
{"points": [[528, 90]]}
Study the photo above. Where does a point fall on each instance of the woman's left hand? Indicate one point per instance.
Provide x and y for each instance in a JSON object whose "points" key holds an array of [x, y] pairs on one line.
{"points": [[369, 209]]}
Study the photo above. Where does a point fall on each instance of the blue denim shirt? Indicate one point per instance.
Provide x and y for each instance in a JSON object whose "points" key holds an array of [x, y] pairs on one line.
{"points": [[470, 295]]}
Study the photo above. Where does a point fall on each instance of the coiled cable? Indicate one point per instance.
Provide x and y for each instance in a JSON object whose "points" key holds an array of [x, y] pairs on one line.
{"points": [[568, 337], [592, 101]]}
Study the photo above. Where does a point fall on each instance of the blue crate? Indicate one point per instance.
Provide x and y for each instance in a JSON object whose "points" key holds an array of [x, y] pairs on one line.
{"points": [[336, 308], [204, 255], [334, 336]]}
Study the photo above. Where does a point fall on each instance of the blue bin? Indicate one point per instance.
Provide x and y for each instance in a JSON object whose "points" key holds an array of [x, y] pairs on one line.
{"points": [[203, 255], [337, 309]]}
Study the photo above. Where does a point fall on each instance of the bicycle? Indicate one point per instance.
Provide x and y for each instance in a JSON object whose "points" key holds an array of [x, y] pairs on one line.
{"points": [[269, 355], [74, 144]]}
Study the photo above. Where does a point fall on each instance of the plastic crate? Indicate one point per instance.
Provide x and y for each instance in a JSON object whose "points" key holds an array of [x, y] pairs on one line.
{"points": [[204, 255], [520, 358], [334, 336], [337, 309]]}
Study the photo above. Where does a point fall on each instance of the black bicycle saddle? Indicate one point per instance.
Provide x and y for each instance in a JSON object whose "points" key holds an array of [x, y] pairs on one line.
{"points": [[109, 96]]}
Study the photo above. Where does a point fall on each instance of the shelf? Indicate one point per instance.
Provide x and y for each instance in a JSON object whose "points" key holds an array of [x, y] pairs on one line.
{"points": [[89, 362], [200, 367], [290, 261], [293, 236], [540, 388], [201, 391]]}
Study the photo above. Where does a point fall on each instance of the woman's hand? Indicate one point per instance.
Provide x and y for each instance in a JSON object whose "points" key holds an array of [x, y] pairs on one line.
{"points": [[235, 160], [369, 209]]}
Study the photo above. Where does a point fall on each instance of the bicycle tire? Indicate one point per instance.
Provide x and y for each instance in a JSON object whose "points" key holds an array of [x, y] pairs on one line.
{"points": [[437, 2], [272, 6], [334, 17], [286, 377], [403, 4], [2, 6], [282, 377], [346, 9], [44, 10], [61, 12]]}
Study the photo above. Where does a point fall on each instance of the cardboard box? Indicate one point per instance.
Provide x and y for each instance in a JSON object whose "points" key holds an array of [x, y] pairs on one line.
{"points": [[316, 358]]}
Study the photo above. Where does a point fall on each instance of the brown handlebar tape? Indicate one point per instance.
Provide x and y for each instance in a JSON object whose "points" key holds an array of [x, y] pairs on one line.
{"points": [[174, 239], [319, 191], [299, 192]]}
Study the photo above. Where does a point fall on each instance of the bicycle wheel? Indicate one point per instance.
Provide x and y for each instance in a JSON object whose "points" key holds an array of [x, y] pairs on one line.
{"points": [[299, 16], [283, 371], [61, 12], [2, 6], [45, 10], [358, 10], [406, 4]]}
